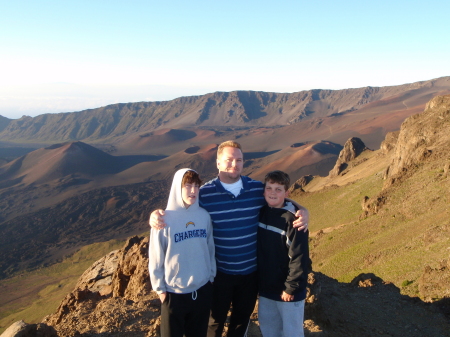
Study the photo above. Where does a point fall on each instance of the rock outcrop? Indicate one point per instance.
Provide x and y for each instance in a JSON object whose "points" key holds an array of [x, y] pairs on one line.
{"points": [[22, 329], [388, 144], [113, 295], [434, 282], [421, 137], [352, 149], [300, 183], [424, 137], [121, 273]]}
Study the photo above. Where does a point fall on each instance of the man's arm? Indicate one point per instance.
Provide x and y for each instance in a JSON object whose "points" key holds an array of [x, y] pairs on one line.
{"points": [[156, 220], [301, 223]]}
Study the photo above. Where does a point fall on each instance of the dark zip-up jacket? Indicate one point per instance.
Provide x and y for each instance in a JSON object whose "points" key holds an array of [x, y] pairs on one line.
{"points": [[283, 254]]}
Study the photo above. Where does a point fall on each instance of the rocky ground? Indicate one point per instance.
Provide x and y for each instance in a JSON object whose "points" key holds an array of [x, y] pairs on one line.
{"points": [[114, 298]]}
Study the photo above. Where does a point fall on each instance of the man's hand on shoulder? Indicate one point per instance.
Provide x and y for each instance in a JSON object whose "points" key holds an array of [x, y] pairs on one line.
{"points": [[301, 223], [156, 220]]}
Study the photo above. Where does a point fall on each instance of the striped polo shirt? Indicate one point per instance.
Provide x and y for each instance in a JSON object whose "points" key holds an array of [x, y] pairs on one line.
{"points": [[235, 223]]}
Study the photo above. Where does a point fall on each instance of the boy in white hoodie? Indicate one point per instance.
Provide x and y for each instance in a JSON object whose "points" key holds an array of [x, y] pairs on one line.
{"points": [[182, 264]]}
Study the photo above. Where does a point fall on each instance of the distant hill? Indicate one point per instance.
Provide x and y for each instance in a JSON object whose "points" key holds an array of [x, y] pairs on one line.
{"points": [[297, 160], [49, 175], [4, 122], [58, 161], [225, 110]]}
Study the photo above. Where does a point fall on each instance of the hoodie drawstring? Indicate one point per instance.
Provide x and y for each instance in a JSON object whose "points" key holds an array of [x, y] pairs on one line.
{"points": [[194, 295]]}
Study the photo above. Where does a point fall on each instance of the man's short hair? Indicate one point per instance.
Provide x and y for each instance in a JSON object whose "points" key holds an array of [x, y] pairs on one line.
{"points": [[228, 143], [278, 177], [191, 177]]}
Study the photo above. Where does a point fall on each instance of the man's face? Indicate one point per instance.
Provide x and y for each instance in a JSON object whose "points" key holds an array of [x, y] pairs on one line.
{"points": [[274, 194], [189, 193], [230, 164]]}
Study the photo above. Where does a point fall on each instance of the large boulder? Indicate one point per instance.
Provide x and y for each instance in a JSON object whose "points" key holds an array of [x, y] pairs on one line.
{"points": [[22, 329], [113, 296], [122, 272], [352, 149]]}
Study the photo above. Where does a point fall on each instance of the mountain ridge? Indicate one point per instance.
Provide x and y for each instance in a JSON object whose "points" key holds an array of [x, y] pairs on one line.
{"points": [[232, 109]]}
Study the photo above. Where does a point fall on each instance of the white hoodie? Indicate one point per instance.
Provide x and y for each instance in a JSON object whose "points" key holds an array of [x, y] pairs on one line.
{"points": [[181, 256]]}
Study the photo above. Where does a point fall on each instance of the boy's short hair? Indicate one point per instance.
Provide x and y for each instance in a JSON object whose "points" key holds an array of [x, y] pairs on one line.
{"points": [[278, 177], [191, 177], [228, 143]]}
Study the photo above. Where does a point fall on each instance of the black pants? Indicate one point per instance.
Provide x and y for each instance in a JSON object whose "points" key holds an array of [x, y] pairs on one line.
{"points": [[238, 291], [186, 314]]}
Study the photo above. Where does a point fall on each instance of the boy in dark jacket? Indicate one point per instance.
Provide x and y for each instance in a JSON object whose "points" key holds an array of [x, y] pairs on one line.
{"points": [[283, 262]]}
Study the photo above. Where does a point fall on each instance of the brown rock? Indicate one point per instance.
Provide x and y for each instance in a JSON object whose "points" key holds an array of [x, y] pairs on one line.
{"points": [[421, 136], [366, 280], [22, 329], [113, 296], [131, 278], [301, 183], [389, 142], [434, 282], [98, 278], [446, 169], [364, 203], [371, 206], [352, 149]]}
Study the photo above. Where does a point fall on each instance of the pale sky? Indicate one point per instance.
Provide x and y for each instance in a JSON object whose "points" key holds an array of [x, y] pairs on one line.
{"points": [[64, 56]]}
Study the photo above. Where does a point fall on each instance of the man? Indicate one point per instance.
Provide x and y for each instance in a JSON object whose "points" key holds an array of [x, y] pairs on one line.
{"points": [[233, 202]]}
